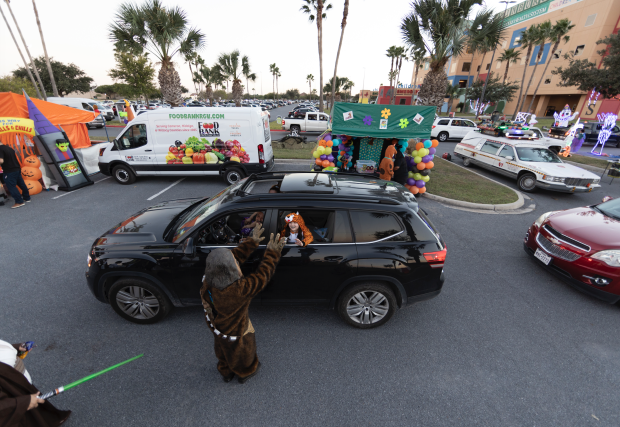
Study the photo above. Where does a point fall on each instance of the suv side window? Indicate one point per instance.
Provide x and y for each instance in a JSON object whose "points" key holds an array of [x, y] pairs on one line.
{"points": [[456, 123], [134, 137], [507, 151], [490, 147], [443, 122], [342, 228], [467, 123], [319, 222], [230, 229], [373, 226]]}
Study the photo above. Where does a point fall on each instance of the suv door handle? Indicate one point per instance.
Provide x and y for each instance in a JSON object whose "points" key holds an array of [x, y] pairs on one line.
{"points": [[333, 258], [148, 150]]}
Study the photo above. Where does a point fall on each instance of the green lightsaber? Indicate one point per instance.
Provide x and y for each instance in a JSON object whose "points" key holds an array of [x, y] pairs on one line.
{"points": [[83, 380]]}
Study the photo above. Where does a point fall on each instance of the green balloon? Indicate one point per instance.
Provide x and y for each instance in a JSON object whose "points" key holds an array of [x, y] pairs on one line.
{"points": [[316, 154], [417, 159], [423, 152], [414, 153], [425, 178], [411, 174], [417, 176]]}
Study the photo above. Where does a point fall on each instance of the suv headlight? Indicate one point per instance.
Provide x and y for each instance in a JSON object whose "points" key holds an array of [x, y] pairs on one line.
{"points": [[543, 218], [611, 257], [553, 178]]}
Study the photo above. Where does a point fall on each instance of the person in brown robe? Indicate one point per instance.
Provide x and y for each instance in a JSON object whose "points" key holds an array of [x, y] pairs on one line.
{"points": [[226, 295], [19, 405]]}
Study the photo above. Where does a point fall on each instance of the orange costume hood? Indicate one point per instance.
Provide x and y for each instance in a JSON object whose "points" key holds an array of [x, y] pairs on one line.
{"points": [[295, 217]]}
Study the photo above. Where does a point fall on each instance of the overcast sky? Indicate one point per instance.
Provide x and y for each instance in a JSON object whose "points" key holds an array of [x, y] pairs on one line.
{"points": [[267, 31]]}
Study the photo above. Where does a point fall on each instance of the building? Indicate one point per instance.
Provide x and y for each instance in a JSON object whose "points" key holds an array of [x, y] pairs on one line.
{"points": [[404, 95], [593, 20]]}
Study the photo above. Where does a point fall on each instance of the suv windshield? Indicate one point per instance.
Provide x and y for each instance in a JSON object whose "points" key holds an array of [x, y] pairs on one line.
{"points": [[528, 154]]}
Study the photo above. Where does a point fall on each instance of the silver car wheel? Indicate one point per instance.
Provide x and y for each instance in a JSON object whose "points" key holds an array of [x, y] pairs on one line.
{"points": [[368, 307], [137, 302], [122, 175]]}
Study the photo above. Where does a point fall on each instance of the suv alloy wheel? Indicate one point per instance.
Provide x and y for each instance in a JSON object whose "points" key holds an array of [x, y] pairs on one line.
{"points": [[442, 137], [367, 305], [139, 301]]}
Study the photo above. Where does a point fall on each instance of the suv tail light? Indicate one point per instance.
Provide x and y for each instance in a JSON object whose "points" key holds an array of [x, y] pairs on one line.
{"points": [[436, 259], [261, 154], [433, 127]]}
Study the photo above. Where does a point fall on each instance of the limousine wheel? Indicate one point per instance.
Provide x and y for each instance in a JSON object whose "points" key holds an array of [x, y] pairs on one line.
{"points": [[139, 301], [466, 162], [367, 305], [233, 175], [527, 182], [442, 137], [123, 175]]}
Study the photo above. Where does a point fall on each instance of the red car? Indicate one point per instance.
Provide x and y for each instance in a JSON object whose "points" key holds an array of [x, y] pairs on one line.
{"points": [[581, 246]]}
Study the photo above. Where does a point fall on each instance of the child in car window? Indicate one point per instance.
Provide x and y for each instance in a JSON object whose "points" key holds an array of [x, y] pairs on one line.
{"points": [[251, 221], [295, 230]]}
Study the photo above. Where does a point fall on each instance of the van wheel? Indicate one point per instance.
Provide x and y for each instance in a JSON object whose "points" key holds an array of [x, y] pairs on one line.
{"points": [[367, 305], [139, 301], [233, 175], [123, 175]]}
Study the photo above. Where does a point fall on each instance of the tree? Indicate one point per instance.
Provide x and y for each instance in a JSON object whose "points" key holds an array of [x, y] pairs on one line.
{"points": [[292, 94], [16, 85], [231, 70], [47, 58], [189, 57], [528, 41], [496, 31], [348, 86], [345, 13], [436, 26], [315, 9], [392, 54], [136, 71], [341, 82], [310, 79], [543, 32], [278, 75], [586, 75], [509, 56], [69, 78], [247, 72], [451, 92], [116, 90], [272, 70], [558, 33], [163, 32], [417, 55], [495, 91]]}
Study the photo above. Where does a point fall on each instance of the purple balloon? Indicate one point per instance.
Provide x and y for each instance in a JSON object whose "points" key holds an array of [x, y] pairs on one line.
{"points": [[410, 181], [330, 158], [432, 150], [426, 159], [420, 184], [328, 137], [347, 149], [323, 157], [341, 147]]}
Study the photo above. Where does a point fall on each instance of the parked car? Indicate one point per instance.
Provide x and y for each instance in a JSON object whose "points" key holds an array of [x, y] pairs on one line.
{"points": [[374, 249], [313, 122], [301, 112], [81, 104], [448, 128], [521, 156], [580, 246], [270, 105], [591, 130]]}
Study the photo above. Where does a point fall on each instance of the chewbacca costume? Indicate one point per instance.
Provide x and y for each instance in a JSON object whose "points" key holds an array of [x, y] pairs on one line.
{"points": [[304, 234], [226, 310], [386, 168], [15, 391]]}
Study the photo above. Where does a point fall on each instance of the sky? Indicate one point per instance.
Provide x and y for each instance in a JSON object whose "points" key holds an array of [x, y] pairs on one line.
{"points": [[272, 31]]}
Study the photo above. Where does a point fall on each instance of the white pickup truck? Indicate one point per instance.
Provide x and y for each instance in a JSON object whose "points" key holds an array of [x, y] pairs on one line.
{"points": [[313, 122]]}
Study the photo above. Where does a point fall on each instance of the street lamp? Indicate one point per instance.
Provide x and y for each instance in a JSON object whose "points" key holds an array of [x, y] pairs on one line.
{"points": [[493, 57]]}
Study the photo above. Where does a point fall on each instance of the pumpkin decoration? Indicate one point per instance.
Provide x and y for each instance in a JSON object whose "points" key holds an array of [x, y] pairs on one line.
{"points": [[33, 174], [32, 161], [34, 187], [199, 158]]}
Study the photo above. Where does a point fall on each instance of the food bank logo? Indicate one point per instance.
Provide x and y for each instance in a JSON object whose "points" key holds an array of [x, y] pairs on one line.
{"points": [[209, 129]]}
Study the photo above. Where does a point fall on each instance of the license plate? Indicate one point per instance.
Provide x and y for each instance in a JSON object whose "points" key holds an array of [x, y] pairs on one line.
{"points": [[546, 259]]}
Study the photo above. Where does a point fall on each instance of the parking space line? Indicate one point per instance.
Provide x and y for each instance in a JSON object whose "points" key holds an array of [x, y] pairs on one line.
{"points": [[165, 189], [74, 191]]}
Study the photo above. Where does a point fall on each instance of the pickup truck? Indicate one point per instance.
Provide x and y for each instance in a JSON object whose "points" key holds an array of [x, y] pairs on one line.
{"points": [[312, 122]]}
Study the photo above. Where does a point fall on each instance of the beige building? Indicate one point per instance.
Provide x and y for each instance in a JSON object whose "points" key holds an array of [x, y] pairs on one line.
{"points": [[593, 20]]}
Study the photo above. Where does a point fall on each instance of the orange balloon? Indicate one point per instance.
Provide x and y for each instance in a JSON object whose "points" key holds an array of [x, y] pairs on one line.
{"points": [[430, 165], [329, 143], [34, 187], [332, 164], [33, 174], [342, 153], [407, 186], [319, 162], [422, 190], [435, 143], [325, 163], [32, 161], [414, 189], [421, 166], [419, 145]]}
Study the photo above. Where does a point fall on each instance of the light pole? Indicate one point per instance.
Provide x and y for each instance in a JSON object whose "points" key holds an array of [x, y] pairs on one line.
{"points": [[492, 57]]}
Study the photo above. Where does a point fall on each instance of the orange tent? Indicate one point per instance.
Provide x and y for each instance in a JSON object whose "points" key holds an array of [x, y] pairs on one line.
{"points": [[71, 119]]}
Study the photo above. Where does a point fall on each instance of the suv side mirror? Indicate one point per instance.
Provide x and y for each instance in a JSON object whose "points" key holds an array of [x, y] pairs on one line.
{"points": [[188, 246]]}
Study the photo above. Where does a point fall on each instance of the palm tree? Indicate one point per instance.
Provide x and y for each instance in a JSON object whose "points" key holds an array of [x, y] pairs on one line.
{"points": [[36, 72], [345, 13], [417, 56], [474, 38], [528, 41], [316, 12], [340, 84], [348, 86], [310, 79], [437, 26], [272, 69], [208, 76], [496, 32], [509, 55], [47, 58], [247, 73], [558, 34], [230, 69], [543, 31], [391, 53], [278, 75], [451, 92], [34, 83], [162, 31], [189, 57], [399, 64]]}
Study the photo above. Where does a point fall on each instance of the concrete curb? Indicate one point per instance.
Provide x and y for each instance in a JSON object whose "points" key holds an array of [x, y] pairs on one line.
{"points": [[483, 206]]}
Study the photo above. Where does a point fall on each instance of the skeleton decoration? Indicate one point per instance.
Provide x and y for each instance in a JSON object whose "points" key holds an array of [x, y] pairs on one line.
{"points": [[526, 119], [569, 138], [562, 119], [608, 121]]}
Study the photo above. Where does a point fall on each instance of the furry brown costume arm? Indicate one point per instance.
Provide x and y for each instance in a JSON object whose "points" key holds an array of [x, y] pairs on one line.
{"points": [[244, 250], [256, 282]]}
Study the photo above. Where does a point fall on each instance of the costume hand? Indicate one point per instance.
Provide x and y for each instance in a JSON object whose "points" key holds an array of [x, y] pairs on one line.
{"points": [[276, 244], [299, 242], [35, 401], [257, 232]]}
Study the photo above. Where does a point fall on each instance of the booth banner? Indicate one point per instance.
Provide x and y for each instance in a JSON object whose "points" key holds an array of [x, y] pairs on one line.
{"points": [[16, 125], [383, 121]]}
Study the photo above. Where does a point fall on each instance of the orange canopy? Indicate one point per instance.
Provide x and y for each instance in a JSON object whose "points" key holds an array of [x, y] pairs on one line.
{"points": [[71, 119]]}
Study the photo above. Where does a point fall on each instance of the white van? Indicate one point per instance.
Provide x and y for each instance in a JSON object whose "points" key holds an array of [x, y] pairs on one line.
{"points": [[82, 104], [191, 141]]}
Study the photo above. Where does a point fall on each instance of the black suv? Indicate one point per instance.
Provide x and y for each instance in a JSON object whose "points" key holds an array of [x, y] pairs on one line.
{"points": [[374, 249]]}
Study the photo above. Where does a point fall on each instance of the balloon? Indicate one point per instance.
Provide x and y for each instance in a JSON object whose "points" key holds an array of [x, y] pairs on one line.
{"points": [[426, 159], [323, 157], [332, 164], [325, 163], [414, 153], [414, 190], [336, 141], [417, 176], [316, 154], [421, 166], [420, 184], [34, 187], [423, 152], [411, 181], [422, 190], [425, 178], [328, 137], [32, 161], [321, 150], [428, 143], [329, 143], [425, 172], [339, 164], [347, 149], [33, 174], [417, 159], [430, 165], [330, 158], [432, 150], [419, 145], [435, 143], [322, 143], [410, 174], [319, 162]]}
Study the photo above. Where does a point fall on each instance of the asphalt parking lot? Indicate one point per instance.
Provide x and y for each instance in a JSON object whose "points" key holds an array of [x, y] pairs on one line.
{"points": [[505, 343]]}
